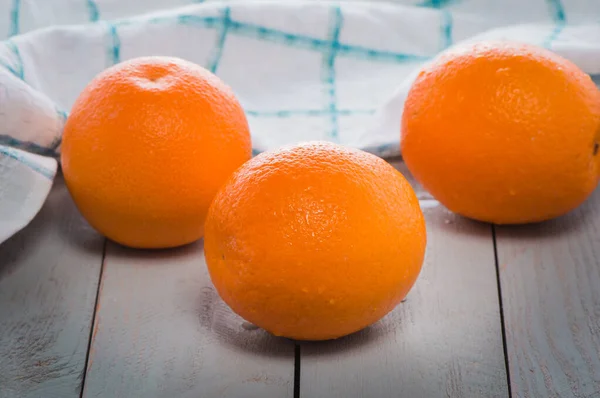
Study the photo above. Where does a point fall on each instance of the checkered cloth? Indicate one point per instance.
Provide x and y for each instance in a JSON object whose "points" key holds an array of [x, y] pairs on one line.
{"points": [[302, 70]]}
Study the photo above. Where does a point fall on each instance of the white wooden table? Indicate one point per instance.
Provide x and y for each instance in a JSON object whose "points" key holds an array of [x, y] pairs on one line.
{"points": [[495, 311]]}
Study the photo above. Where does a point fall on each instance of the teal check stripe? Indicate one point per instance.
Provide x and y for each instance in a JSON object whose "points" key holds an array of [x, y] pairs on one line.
{"points": [[17, 65], [559, 16], [437, 3], [50, 150], [11, 153], [14, 18], [557, 10], [114, 47], [447, 26], [264, 33], [336, 23], [93, 10], [29, 146], [331, 48], [218, 50], [9, 68], [558, 28]]}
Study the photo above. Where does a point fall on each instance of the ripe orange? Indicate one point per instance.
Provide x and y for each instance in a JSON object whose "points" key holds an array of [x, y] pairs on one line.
{"points": [[314, 241], [503, 132], [146, 147]]}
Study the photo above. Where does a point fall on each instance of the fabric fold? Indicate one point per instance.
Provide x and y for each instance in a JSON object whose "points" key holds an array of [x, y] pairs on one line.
{"points": [[302, 69]]}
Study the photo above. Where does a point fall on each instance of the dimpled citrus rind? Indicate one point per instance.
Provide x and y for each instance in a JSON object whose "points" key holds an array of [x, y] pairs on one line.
{"points": [[503, 132], [314, 241], [147, 145]]}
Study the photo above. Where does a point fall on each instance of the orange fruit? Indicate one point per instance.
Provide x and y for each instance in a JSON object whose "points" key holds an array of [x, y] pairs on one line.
{"points": [[503, 132], [314, 241], [146, 147]]}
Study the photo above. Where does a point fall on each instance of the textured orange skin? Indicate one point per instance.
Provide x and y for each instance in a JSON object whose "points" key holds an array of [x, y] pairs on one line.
{"points": [[314, 241], [503, 133], [146, 147]]}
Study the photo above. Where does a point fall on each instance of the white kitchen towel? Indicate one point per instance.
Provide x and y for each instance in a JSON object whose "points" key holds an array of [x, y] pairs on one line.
{"points": [[303, 70]]}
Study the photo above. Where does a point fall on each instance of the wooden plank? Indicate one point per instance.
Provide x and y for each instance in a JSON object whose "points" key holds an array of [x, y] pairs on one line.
{"points": [[162, 331], [49, 275], [550, 278], [445, 340]]}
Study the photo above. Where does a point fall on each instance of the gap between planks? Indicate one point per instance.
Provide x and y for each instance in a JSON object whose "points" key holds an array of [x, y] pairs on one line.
{"points": [[499, 384], [502, 320], [93, 324]]}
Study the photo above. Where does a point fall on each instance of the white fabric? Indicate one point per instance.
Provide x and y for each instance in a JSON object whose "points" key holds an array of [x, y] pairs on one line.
{"points": [[26, 180], [303, 70]]}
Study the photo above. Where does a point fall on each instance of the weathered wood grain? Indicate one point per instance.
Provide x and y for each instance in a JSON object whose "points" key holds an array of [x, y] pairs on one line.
{"points": [[445, 340], [48, 282], [162, 331], [550, 278]]}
